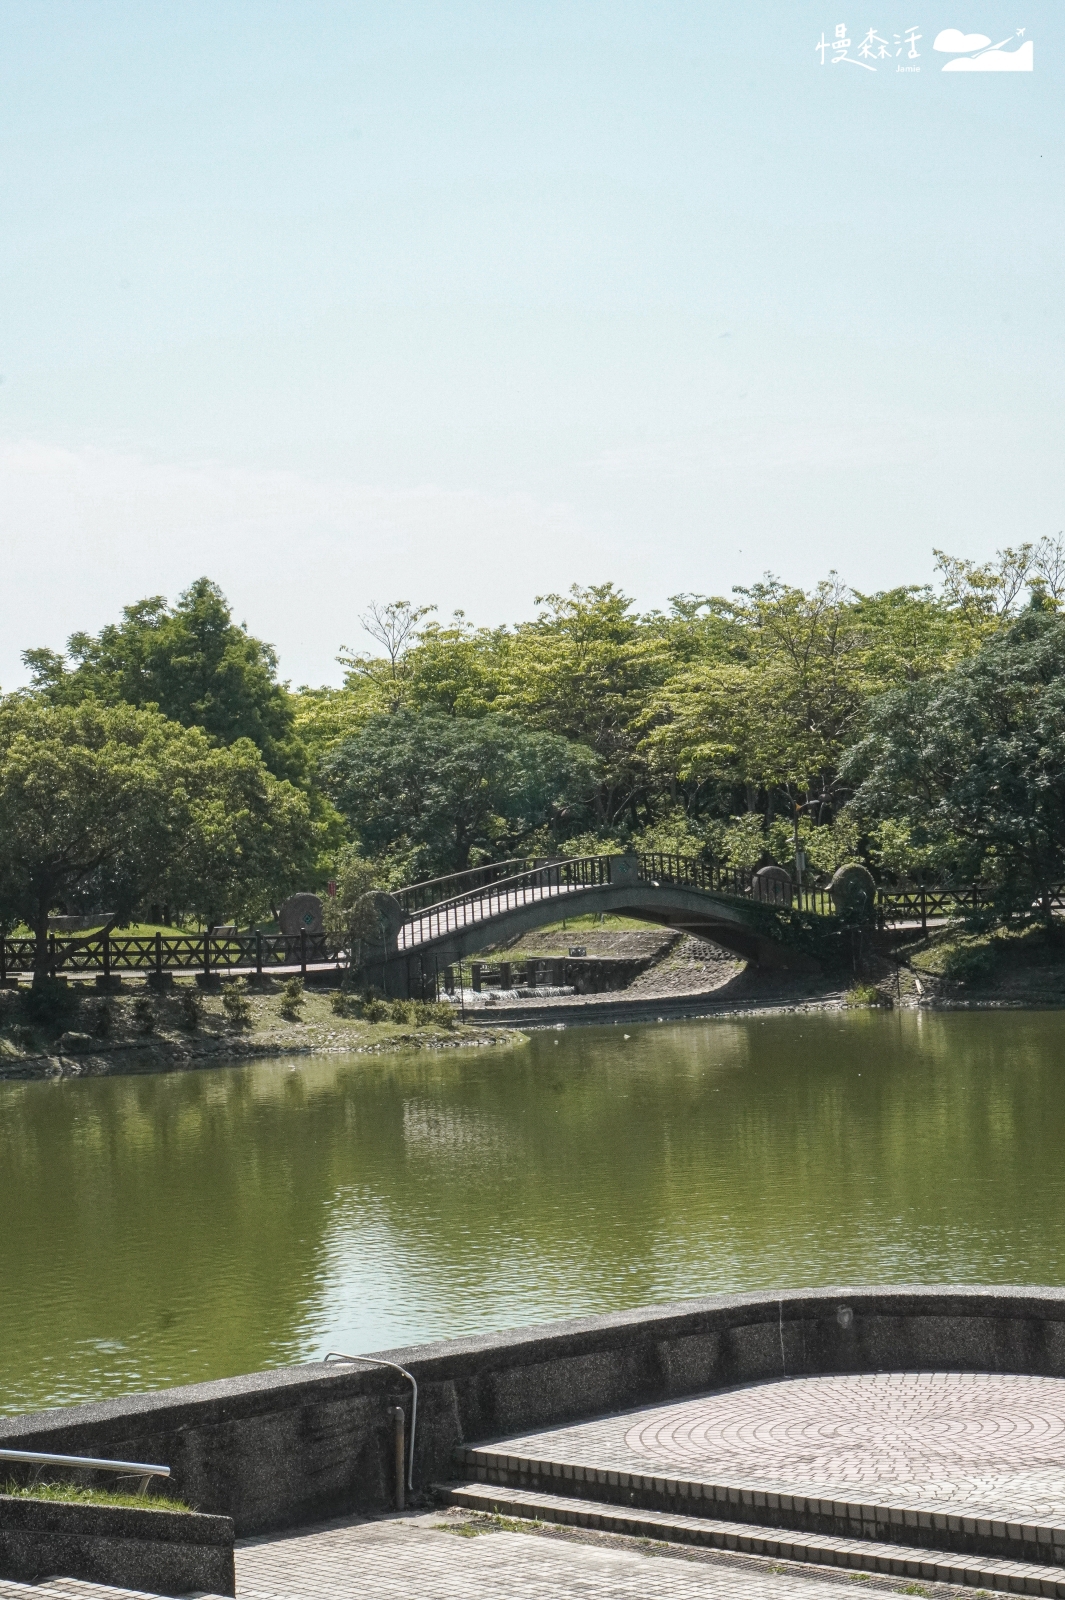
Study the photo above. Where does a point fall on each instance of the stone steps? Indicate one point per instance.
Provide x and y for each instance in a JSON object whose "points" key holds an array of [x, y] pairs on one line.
{"points": [[859, 1555], [924, 1525]]}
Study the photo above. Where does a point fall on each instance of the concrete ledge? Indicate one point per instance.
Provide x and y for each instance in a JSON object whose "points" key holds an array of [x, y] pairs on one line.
{"points": [[304, 1443], [162, 1552]]}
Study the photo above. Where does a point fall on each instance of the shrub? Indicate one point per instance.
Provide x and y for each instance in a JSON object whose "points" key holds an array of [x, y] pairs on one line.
{"points": [[235, 1004], [866, 994], [101, 1020], [23, 1035], [48, 1001], [968, 964], [291, 1000], [344, 1004], [188, 1008], [143, 1014], [435, 1011], [375, 1010], [403, 1011]]}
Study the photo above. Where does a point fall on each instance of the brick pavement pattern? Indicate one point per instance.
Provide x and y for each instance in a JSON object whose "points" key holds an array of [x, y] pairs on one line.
{"points": [[977, 1443], [410, 1559]]}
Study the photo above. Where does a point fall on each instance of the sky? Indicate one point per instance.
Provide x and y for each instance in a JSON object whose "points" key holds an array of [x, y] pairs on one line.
{"points": [[465, 303]]}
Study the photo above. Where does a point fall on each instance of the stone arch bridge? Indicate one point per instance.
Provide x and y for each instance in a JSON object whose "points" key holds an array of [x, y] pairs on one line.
{"points": [[433, 925]]}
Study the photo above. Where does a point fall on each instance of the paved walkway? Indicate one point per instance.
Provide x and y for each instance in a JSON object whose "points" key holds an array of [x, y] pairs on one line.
{"points": [[980, 1444], [413, 1559]]}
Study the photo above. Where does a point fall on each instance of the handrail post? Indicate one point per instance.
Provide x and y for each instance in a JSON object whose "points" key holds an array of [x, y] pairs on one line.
{"points": [[51, 955], [3, 959], [924, 911], [106, 942], [207, 953], [258, 953], [158, 955], [399, 1428]]}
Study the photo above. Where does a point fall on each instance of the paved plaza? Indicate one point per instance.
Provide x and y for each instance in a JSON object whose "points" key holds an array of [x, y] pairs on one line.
{"points": [[413, 1559], [972, 1443]]}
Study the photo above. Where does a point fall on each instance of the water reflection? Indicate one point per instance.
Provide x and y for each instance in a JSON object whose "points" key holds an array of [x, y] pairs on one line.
{"points": [[165, 1229]]}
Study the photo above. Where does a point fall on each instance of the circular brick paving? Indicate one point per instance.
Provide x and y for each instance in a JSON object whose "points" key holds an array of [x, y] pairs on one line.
{"points": [[931, 1429]]}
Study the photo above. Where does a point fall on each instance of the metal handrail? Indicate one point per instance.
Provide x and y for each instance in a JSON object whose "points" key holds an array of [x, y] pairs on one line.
{"points": [[374, 1361], [145, 1470]]}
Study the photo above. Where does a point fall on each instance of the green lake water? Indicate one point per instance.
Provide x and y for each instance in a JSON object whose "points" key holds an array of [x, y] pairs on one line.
{"points": [[165, 1229]]}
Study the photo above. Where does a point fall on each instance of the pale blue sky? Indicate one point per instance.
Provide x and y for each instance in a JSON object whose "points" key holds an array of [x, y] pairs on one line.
{"points": [[465, 302]]}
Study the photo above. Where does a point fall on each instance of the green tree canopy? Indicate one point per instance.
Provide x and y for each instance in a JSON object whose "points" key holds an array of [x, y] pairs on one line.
{"points": [[976, 759], [431, 792], [114, 800], [191, 661]]}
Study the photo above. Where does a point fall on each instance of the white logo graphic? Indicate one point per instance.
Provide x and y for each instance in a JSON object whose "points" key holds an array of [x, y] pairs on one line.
{"points": [[873, 47], [972, 54]]}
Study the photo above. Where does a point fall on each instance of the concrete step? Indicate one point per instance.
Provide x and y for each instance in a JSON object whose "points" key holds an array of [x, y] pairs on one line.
{"points": [[67, 1589], [921, 1525], [859, 1555]]}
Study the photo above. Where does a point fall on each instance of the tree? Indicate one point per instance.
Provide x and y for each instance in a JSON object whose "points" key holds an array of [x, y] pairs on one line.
{"points": [[431, 791], [773, 713], [192, 662], [111, 797], [350, 914], [977, 756], [583, 670]]}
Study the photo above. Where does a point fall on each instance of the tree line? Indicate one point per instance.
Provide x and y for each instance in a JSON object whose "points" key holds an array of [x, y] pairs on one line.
{"points": [[163, 763]]}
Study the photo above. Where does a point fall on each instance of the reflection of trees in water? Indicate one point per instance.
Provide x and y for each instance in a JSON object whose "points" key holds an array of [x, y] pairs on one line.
{"points": [[217, 1222]]}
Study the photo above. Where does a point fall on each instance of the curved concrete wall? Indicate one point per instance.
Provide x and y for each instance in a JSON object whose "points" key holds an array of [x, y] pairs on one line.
{"points": [[302, 1443]]}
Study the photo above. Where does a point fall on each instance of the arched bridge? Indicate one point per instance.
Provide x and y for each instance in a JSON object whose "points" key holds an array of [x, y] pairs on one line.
{"points": [[432, 925]]}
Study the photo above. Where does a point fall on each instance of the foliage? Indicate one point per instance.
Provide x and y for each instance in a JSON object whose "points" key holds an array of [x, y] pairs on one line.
{"points": [[350, 915], [291, 1003], [189, 1007], [110, 802], [143, 1014], [189, 661], [971, 965], [978, 756], [432, 793], [235, 1004]]}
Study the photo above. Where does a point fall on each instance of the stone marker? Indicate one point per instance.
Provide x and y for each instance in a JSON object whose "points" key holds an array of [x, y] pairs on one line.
{"points": [[773, 886], [300, 913]]}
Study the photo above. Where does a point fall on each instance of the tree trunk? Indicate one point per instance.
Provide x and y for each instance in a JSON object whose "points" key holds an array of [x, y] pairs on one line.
{"points": [[40, 946]]}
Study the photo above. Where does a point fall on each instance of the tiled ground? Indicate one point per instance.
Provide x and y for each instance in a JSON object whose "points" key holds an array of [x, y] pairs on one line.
{"points": [[979, 1443], [411, 1559]]}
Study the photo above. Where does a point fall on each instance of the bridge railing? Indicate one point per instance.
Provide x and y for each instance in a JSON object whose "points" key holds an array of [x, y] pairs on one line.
{"points": [[435, 891], [551, 880]]}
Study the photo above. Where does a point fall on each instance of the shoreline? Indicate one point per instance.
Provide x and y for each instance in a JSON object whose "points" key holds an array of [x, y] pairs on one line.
{"points": [[130, 1059]]}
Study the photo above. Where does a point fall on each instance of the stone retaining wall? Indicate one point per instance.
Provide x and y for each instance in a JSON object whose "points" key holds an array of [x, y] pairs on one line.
{"points": [[161, 1552], [295, 1445]]}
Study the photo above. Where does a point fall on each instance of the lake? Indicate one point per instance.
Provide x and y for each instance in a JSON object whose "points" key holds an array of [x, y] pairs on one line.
{"points": [[165, 1229]]}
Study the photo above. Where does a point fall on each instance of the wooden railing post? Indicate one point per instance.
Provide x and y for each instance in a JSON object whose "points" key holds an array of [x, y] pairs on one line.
{"points": [[158, 954], [258, 953], [106, 952], [207, 953], [924, 910], [51, 955]]}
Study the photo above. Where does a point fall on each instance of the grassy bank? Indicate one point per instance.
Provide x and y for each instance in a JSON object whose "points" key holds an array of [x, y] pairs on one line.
{"points": [[74, 1029]]}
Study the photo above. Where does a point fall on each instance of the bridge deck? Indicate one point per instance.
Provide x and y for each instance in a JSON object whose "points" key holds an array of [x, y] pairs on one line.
{"points": [[437, 922]]}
